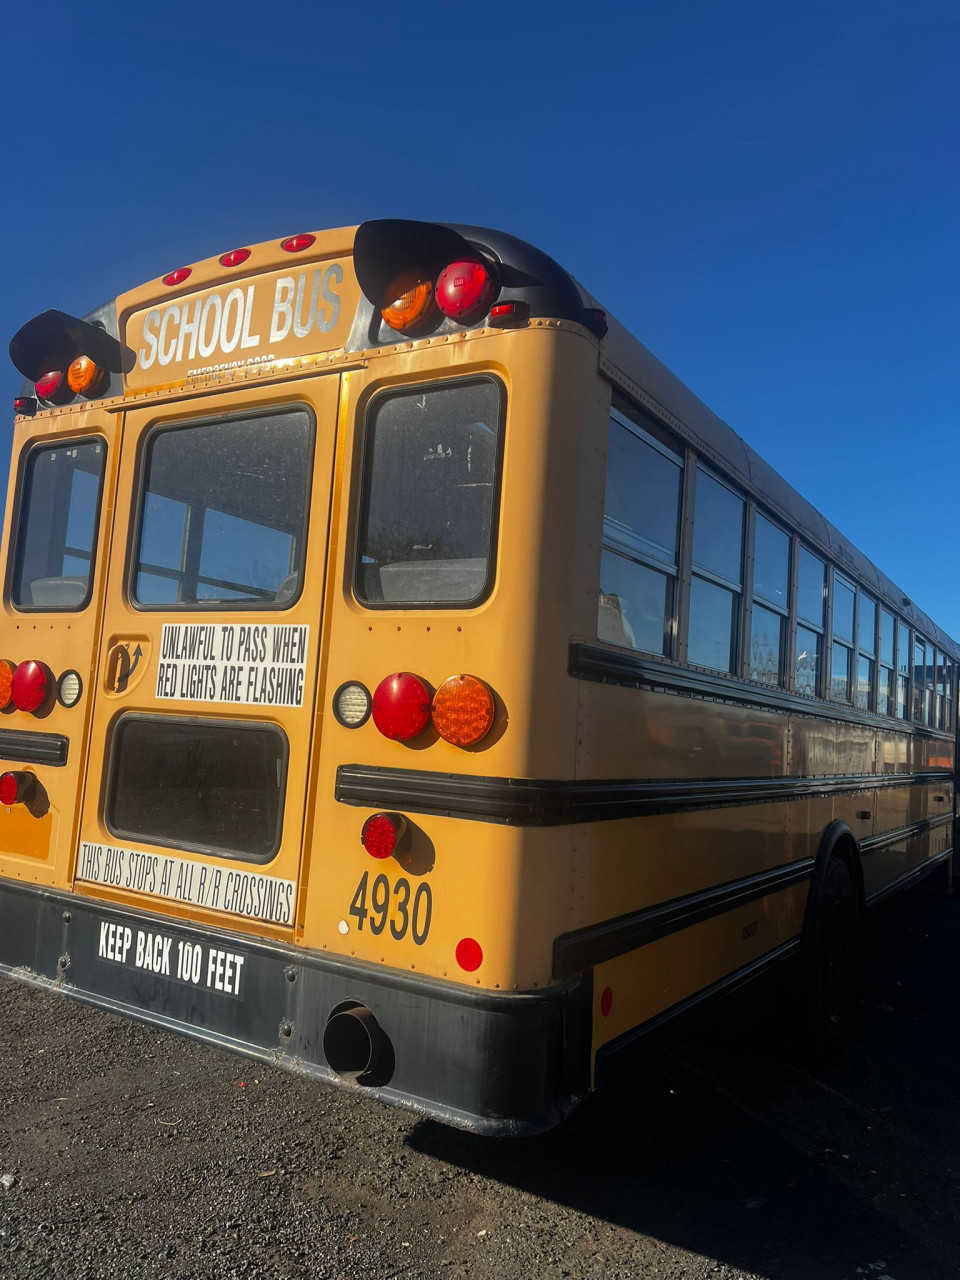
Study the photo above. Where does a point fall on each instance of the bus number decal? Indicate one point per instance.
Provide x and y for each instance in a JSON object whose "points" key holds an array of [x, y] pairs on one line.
{"points": [[404, 916]]}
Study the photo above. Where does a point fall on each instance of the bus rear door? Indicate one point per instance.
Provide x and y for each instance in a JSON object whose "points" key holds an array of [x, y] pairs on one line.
{"points": [[207, 676]]}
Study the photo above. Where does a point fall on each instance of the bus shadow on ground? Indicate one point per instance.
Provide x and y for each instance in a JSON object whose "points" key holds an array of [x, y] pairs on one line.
{"points": [[718, 1147]]}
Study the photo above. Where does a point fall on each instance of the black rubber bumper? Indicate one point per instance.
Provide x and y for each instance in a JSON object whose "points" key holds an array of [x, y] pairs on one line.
{"points": [[485, 1061]]}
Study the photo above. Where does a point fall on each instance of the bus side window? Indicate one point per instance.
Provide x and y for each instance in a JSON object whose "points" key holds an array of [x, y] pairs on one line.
{"points": [[641, 529], [56, 540]]}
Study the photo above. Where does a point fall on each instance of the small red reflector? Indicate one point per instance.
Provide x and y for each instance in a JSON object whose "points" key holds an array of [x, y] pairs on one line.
{"points": [[606, 1002], [50, 384], [596, 321], [296, 244], [178, 276], [503, 310], [401, 706], [381, 834], [9, 789], [29, 687], [469, 954], [465, 290], [234, 257]]}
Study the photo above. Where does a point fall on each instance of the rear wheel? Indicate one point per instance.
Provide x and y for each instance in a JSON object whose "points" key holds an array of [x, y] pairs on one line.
{"points": [[829, 967]]}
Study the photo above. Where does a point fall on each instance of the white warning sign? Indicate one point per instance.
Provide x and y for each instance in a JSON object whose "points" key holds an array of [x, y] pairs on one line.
{"points": [[261, 664], [218, 888]]}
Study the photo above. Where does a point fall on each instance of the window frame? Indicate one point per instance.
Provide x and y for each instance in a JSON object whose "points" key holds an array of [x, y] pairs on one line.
{"points": [[136, 528], [14, 557], [109, 781], [360, 501]]}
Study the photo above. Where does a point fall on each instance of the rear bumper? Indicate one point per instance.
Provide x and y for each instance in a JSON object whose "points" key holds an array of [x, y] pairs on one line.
{"points": [[489, 1062]]}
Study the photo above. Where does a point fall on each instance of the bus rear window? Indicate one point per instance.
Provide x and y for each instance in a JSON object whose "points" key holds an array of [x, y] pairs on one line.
{"points": [[202, 785], [58, 526], [222, 513], [429, 498]]}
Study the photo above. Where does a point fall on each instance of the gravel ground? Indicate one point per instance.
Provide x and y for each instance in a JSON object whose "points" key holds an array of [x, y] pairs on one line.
{"points": [[137, 1154]]}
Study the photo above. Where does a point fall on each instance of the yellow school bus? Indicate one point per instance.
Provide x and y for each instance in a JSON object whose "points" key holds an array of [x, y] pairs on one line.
{"points": [[406, 680]]}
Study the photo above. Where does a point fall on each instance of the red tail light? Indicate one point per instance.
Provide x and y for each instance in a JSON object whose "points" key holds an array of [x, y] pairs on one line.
{"points": [[30, 686], [382, 833], [401, 706], [52, 386], [15, 788], [465, 290]]}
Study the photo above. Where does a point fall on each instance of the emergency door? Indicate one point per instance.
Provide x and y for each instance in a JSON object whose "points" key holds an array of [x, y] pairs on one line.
{"points": [[207, 672]]}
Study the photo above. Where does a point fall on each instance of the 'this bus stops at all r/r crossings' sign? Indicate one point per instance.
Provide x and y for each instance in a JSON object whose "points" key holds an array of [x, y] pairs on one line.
{"points": [[260, 664]]}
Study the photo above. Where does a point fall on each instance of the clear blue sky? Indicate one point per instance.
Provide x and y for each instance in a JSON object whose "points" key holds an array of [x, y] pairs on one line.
{"points": [[768, 195]]}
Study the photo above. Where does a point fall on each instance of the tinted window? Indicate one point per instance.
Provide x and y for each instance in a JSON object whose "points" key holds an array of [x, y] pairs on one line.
{"points": [[429, 495], [807, 662], [843, 596], [198, 785], [771, 563], [642, 499], [810, 578], [712, 615], [765, 645], [886, 637], [58, 526], [718, 528], [868, 624], [635, 603], [222, 514]]}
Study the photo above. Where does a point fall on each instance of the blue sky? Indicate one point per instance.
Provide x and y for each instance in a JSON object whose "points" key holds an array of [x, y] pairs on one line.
{"points": [[767, 195]]}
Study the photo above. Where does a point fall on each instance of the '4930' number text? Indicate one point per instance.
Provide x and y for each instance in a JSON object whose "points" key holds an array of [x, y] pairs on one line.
{"points": [[378, 905]]}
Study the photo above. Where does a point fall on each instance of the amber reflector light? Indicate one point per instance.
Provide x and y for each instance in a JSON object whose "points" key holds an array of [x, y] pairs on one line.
{"points": [[85, 376], [410, 302], [463, 710], [7, 669]]}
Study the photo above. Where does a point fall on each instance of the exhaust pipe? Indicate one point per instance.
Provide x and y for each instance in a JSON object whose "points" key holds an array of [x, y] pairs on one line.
{"points": [[355, 1046]]}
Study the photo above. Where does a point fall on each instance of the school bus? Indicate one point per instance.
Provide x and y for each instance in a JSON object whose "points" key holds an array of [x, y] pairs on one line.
{"points": [[406, 680]]}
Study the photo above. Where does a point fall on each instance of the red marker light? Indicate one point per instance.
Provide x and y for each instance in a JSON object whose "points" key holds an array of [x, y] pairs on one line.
{"points": [[401, 706], [234, 257], [296, 244], [9, 789], [52, 385], [469, 954], [606, 1002], [381, 834], [25, 405], [178, 276], [29, 687], [465, 290]]}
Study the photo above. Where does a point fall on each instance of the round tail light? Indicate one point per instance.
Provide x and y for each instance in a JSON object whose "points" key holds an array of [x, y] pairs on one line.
{"points": [[463, 710], [382, 833], [7, 668], [410, 304], [401, 706], [52, 387], [30, 686], [85, 376], [465, 290], [15, 788]]}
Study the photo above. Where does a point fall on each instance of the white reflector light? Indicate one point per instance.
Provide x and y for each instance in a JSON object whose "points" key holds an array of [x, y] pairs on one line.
{"points": [[69, 688], [351, 705]]}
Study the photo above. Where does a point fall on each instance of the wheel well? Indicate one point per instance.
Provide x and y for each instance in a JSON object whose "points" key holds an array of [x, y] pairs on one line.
{"points": [[838, 842]]}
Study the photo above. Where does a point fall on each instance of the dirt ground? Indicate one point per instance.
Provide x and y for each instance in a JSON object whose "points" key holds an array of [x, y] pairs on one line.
{"points": [[136, 1154]]}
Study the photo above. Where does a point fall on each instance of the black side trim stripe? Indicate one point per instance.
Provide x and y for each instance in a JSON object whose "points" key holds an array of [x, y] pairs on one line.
{"points": [[873, 843], [608, 1053], [606, 666], [26, 746], [908, 877], [532, 803], [583, 948]]}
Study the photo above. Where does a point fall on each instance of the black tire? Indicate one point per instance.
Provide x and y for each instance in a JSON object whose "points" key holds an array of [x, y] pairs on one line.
{"points": [[829, 968]]}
